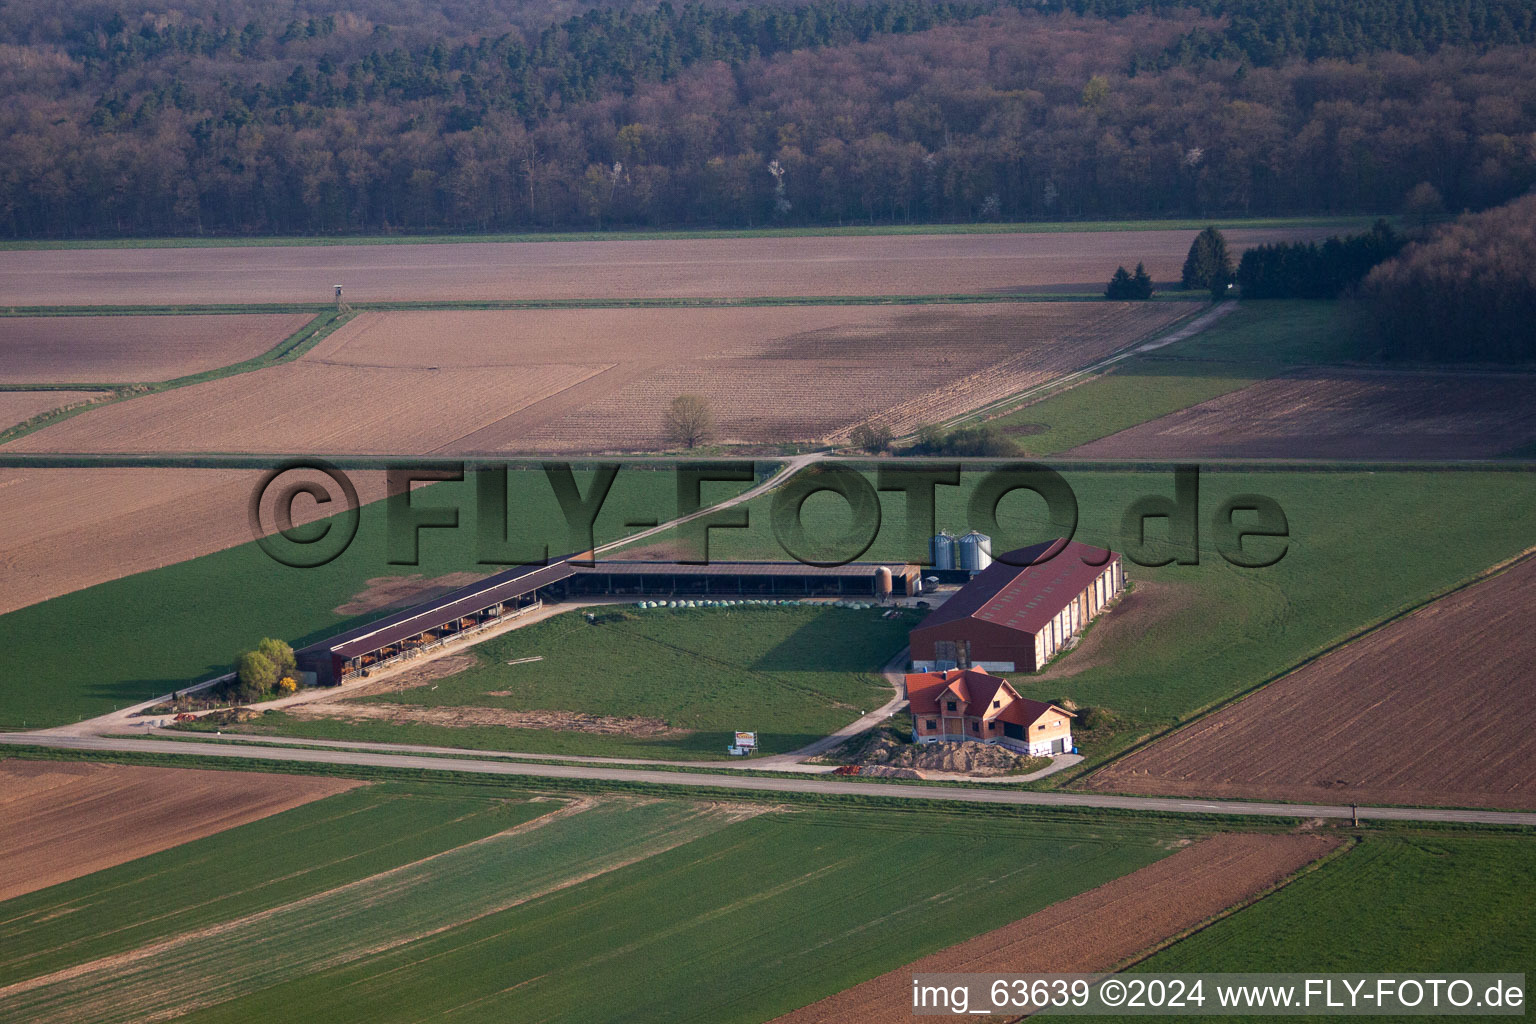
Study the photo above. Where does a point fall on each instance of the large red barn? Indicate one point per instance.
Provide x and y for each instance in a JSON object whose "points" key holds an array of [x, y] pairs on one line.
{"points": [[1018, 612]]}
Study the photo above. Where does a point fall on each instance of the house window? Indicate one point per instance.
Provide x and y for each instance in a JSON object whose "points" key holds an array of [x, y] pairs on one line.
{"points": [[950, 706], [991, 727], [997, 703], [973, 727], [931, 724], [1041, 726]]}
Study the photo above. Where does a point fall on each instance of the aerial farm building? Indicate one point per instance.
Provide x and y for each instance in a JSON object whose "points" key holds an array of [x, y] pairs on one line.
{"points": [[1015, 614]]}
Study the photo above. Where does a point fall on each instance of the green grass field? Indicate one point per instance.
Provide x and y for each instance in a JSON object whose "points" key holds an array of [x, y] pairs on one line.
{"points": [[285, 858], [1258, 340], [1437, 902], [614, 909], [144, 635], [792, 674], [607, 236]]}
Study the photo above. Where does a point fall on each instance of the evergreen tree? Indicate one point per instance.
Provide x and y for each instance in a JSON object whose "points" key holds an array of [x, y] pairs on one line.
{"points": [[1119, 285], [1141, 283], [1208, 264]]}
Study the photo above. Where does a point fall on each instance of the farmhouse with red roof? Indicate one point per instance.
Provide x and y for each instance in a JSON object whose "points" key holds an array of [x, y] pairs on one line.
{"points": [[963, 704], [1018, 612]]}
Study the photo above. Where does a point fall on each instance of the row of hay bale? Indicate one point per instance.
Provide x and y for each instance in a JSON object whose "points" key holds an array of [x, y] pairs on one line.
{"points": [[754, 603]]}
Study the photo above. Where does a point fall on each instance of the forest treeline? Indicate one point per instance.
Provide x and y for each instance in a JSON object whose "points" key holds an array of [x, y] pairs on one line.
{"points": [[238, 118], [1465, 294], [1307, 270]]}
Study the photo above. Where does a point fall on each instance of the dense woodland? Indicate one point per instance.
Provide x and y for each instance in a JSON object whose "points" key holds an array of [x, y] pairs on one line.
{"points": [[235, 117], [1465, 294]]}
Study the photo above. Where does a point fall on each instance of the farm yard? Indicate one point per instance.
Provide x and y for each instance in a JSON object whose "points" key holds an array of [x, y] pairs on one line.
{"points": [[134, 349], [1096, 930], [1432, 709], [20, 406], [67, 819], [932, 264], [1364, 546], [65, 529], [584, 908], [651, 684], [593, 380], [1339, 413]]}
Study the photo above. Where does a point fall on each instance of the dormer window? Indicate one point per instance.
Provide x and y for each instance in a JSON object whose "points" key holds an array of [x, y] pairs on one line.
{"points": [[949, 706]]}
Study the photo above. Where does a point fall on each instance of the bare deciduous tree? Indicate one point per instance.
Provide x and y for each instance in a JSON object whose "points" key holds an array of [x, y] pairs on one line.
{"points": [[690, 422]]}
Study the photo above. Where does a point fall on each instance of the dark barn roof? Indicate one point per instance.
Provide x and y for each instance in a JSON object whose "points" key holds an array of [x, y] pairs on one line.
{"points": [[622, 568], [1026, 588], [453, 605]]}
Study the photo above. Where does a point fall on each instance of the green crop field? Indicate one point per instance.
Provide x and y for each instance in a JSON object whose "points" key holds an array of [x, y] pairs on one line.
{"points": [[137, 637], [617, 908], [1258, 340], [1437, 902], [285, 858], [792, 674], [1364, 545]]}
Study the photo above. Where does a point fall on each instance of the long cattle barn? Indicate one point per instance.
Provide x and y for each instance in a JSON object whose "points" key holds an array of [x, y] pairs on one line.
{"points": [[1017, 613], [749, 579], [495, 599], [456, 614]]}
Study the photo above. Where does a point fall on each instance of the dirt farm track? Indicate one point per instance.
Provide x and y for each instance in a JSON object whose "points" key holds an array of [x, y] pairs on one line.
{"points": [[67, 819], [1432, 710], [807, 265]]}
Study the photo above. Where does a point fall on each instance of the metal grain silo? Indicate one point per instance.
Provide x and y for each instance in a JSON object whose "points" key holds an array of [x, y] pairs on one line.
{"points": [[974, 551], [883, 581], [941, 550]]}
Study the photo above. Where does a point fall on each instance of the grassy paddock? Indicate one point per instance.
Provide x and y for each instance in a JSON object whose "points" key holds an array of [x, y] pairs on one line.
{"points": [[792, 674], [1038, 227]]}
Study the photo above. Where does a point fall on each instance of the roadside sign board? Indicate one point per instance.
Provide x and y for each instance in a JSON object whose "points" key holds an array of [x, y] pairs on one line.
{"points": [[746, 739]]}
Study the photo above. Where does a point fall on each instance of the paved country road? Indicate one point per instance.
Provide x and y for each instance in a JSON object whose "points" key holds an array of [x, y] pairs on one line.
{"points": [[1159, 805]]}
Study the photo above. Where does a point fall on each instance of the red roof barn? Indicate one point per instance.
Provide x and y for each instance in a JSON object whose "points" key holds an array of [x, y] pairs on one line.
{"points": [[1018, 612]]}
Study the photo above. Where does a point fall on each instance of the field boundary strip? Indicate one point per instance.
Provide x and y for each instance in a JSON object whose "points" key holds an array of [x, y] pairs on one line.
{"points": [[1067, 779], [514, 305], [665, 461], [1349, 844], [1007, 228], [290, 348]]}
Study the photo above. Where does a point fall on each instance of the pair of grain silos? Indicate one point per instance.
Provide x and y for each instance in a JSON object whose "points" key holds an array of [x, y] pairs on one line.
{"points": [[971, 553]]}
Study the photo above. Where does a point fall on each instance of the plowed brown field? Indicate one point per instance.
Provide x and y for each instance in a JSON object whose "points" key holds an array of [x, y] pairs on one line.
{"points": [[1431, 710], [1333, 414], [868, 265], [67, 529], [64, 820], [592, 380], [133, 349], [20, 406], [1095, 930]]}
